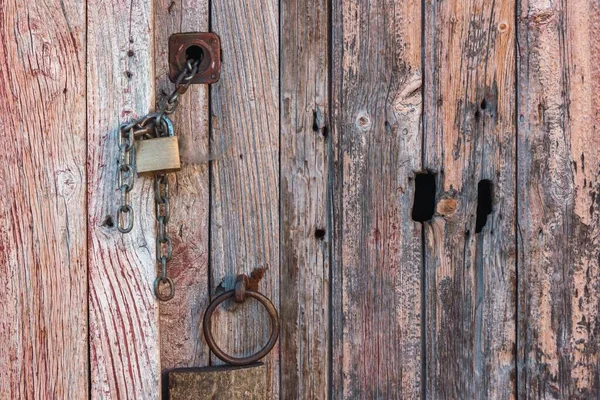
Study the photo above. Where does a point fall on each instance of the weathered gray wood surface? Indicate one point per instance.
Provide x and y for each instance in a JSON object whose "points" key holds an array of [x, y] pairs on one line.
{"points": [[181, 318], [322, 146], [558, 182], [123, 316], [219, 383], [469, 135], [245, 181], [377, 259], [43, 317], [305, 231]]}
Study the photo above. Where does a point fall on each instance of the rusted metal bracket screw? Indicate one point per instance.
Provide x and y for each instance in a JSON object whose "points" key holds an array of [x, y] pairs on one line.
{"points": [[202, 46]]}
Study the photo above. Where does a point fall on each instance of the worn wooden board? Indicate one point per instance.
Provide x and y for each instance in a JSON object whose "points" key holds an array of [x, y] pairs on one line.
{"points": [[305, 234], [43, 269], [245, 181], [124, 341], [219, 383], [376, 100], [558, 184], [181, 318], [469, 135]]}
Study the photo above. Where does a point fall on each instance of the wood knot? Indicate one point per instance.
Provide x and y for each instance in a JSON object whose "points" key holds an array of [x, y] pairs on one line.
{"points": [[446, 207], [502, 27], [363, 122], [409, 98]]}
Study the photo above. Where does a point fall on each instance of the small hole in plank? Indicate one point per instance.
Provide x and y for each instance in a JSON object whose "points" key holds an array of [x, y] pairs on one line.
{"points": [[108, 222], [194, 53], [319, 233], [424, 202], [484, 203]]}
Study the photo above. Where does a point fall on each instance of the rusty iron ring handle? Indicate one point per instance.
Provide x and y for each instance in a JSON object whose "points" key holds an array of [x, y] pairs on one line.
{"points": [[210, 340]]}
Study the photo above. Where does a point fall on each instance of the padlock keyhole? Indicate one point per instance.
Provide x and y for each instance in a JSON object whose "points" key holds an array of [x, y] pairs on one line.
{"points": [[194, 52]]}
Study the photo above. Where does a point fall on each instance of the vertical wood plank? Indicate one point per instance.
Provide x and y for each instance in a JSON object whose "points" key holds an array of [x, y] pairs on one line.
{"points": [[181, 317], [43, 266], [124, 342], [469, 135], [377, 255], [245, 182], [305, 236], [558, 185]]}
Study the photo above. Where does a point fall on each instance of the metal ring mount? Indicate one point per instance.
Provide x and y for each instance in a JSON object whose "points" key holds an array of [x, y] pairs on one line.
{"points": [[212, 344]]}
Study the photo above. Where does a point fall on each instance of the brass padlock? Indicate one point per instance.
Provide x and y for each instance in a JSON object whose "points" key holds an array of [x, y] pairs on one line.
{"points": [[158, 155]]}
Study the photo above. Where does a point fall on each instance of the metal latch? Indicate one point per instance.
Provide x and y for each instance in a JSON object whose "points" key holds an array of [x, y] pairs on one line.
{"points": [[202, 46]]}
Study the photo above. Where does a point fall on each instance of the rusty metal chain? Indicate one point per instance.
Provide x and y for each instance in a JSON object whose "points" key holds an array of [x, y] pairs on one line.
{"points": [[182, 84], [126, 170], [152, 125], [164, 250]]}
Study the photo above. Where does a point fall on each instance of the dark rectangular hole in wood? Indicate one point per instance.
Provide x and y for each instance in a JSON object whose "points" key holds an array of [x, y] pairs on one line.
{"points": [[484, 203], [424, 202]]}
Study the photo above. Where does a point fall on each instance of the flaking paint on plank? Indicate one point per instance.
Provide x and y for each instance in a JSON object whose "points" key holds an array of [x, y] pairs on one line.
{"points": [[558, 184], [469, 135]]}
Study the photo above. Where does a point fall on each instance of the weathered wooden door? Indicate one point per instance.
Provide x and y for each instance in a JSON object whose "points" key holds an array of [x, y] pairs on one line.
{"points": [[418, 178]]}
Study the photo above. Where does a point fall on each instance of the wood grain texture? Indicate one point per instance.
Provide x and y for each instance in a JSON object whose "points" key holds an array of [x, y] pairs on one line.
{"points": [[245, 182], [43, 322], [377, 255], [469, 135], [181, 318], [558, 188], [124, 341], [305, 234], [219, 383]]}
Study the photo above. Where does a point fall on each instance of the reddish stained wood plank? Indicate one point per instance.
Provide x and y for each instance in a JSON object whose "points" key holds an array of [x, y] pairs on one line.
{"points": [[43, 269], [558, 188], [469, 135], [377, 257], [124, 342], [305, 234], [181, 318], [245, 182]]}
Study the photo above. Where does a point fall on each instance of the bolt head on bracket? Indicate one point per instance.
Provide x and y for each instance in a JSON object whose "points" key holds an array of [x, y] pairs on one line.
{"points": [[205, 45]]}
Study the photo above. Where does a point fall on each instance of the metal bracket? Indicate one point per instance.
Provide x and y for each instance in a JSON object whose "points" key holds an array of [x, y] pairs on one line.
{"points": [[205, 46]]}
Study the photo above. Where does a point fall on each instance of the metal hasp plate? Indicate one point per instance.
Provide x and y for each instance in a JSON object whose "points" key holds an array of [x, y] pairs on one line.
{"points": [[219, 383], [203, 45]]}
